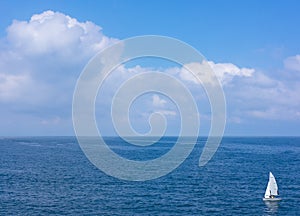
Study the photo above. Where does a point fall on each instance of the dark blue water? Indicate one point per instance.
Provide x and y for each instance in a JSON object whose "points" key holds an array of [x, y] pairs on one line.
{"points": [[52, 176]]}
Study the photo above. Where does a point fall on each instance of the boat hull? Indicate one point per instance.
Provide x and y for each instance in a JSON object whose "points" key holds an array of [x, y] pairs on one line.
{"points": [[272, 199]]}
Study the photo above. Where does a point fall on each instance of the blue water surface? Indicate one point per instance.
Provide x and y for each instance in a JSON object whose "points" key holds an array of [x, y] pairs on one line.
{"points": [[52, 176]]}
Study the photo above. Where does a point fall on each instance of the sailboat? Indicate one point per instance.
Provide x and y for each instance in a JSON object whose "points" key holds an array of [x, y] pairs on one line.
{"points": [[271, 193]]}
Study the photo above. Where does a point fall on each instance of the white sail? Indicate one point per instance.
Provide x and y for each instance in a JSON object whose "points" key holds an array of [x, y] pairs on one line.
{"points": [[272, 188]]}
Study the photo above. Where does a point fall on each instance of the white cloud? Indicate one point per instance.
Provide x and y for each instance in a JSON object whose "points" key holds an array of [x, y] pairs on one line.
{"points": [[157, 101], [223, 71], [265, 114], [202, 70], [234, 119], [40, 61], [263, 97], [275, 113], [55, 120], [167, 112], [292, 63], [43, 57], [250, 93], [12, 86], [226, 71], [53, 32]]}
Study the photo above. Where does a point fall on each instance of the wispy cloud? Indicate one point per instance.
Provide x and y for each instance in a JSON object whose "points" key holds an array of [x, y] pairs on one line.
{"points": [[12, 86], [167, 112], [157, 101], [292, 63]]}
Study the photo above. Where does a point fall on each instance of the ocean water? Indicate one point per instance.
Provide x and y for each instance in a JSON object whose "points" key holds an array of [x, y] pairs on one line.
{"points": [[52, 176]]}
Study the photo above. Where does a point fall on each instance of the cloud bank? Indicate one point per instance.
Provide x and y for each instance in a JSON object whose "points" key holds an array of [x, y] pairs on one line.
{"points": [[42, 58]]}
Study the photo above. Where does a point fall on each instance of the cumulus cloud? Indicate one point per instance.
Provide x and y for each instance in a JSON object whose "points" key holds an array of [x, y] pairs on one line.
{"points": [[249, 93], [54, 32], [48, 51], [252, 93], [40, 61], [195, 72], [158, 102], [226, 71], [208, 70], [263, 97]]}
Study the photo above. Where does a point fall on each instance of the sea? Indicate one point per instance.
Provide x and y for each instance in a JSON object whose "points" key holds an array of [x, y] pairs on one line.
{"points": [[52, 176]]}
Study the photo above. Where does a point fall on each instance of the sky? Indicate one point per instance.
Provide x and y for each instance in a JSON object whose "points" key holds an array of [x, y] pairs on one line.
{"points": [[253, 47]]}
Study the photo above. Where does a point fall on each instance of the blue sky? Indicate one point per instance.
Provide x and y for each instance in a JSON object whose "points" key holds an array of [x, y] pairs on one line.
{"points": [[38, 68]]}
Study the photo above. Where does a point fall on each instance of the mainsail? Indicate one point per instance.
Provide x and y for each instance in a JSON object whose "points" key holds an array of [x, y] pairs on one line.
{"points": [[272, 188]]}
